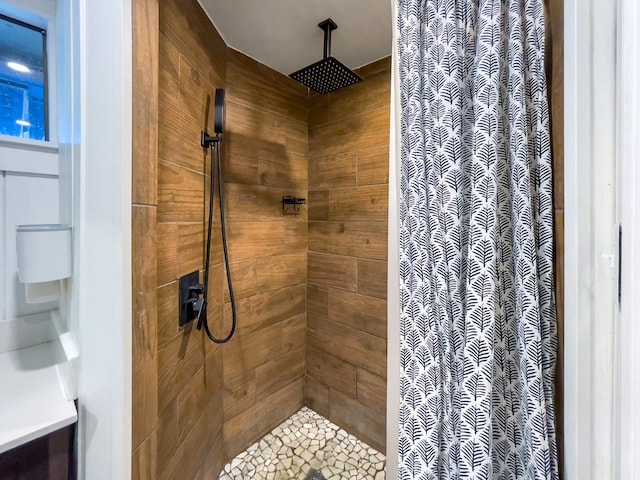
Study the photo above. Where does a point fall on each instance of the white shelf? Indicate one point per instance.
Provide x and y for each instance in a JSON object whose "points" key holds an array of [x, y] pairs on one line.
{"points": [[32, 398]]}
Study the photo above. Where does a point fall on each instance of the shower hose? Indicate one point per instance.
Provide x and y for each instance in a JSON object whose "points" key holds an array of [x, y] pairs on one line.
{"points": [[202, 316]]}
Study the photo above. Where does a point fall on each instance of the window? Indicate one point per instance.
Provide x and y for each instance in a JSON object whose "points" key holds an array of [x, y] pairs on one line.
{"points": [[23, 80]]}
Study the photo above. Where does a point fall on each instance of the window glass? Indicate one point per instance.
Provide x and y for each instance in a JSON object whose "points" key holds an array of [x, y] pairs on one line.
{"points": [[23, 80]]}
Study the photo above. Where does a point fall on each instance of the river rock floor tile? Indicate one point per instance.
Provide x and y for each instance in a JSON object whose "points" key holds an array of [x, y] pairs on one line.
{"points": [[307, 445]]}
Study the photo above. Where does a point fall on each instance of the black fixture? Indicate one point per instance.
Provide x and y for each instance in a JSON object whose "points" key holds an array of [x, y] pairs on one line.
{"points": [[328, 74], [215, 142], [314, 475], [295, 202], [191, 298]]}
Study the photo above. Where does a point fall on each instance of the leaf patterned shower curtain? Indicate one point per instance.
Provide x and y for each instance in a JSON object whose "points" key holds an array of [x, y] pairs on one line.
{"points": [[478, 326]]}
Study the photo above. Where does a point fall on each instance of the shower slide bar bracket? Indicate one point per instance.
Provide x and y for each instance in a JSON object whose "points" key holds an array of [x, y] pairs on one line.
{"points": [[207, 140], [291, 205]]}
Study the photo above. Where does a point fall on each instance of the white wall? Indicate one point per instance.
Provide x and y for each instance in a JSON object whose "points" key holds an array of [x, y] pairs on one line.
{"points": [[28, 193]]}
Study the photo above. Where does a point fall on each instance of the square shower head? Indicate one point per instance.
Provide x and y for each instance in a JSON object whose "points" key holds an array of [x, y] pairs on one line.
{"points": [[326, 75]]}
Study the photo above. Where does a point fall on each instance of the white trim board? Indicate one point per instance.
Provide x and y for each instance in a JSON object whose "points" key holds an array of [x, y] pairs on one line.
{"points": [[100, 298], [590, 156], [627, 389]]}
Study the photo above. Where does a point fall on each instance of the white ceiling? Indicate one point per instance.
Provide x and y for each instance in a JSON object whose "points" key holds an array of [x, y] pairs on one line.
{"points": [[284, 34]]}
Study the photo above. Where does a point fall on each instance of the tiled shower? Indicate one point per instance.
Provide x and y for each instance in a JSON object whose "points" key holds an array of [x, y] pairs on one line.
{"points": [[310, 288]]}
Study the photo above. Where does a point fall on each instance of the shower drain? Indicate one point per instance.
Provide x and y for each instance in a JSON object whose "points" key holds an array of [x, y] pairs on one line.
{"points": [[314, 475]]}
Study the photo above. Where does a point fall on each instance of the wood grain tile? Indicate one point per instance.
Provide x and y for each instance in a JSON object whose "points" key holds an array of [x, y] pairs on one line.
{"points": [[281, 271], [244, 278], [243, 429], [144, 462], [180, 194], [190, 403], [240, 163], [191, 240], [373, 68], [190, 454], [255, 203], [189, 29], [167, 434], [262, 239], [277, 373], [318, 300], [318, 109], [316, 396], [144, 136], [167, 313], [359, 419], [167, 248], [246, 351], [333, 271], [372, 392], [143, 266], [555, 82], [179, 137], [357, 238], [215, 460], [372, 278], [252, 83], [319, 206], [270, 307], [371, 94], [239, 393], [144, 405], [331, 371], [332, 171], [144, 320], [294, 333], [169, 70], [194, 90], [373, 166], [177, 363], [353, 346], [357, 132], [347, 204], [286, 171], [254, 127], [367, 314]]}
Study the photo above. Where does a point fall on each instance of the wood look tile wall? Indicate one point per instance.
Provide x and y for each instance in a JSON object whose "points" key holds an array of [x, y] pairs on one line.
{"points": [[179, 60], [144, 237], [347, 319], [266, 142], [192, 411]]}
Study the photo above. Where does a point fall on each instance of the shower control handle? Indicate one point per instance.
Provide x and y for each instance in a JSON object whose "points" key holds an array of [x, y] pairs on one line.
{"points": [[192, 299]]}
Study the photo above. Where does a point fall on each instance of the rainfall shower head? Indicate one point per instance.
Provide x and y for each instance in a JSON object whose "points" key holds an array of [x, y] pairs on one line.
{"points": [[328, 74]]}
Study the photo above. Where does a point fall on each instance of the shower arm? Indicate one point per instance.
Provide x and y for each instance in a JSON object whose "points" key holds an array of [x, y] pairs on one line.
{"points": [[327, 26]]}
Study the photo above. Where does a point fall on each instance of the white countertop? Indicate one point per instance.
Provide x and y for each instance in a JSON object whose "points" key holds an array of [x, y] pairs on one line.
{"points": [[32, 399]]}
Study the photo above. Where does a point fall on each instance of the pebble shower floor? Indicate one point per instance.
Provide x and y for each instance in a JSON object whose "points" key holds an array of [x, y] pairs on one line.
{"points": [[307, 446]]}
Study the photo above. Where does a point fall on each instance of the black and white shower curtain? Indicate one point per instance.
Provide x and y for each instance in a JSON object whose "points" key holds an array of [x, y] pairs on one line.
{"points": [[478, 326]]}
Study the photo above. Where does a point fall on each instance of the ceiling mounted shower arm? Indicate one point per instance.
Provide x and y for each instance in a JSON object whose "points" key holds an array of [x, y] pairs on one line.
{"points": [[327, 26]]}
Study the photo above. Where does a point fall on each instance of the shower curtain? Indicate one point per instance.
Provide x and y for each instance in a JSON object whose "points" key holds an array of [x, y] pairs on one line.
{"points": [[477, 327]]}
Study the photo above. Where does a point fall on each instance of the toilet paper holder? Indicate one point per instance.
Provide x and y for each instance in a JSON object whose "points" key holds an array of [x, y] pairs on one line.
{"points": [[44, 258]]}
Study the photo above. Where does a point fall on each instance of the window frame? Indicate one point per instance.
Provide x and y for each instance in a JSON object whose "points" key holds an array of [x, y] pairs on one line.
{"points": [[22, 155], [45, 53]]}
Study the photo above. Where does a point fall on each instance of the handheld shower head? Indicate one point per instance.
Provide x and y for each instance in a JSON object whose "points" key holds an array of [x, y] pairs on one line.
{"points": [[207, 140], [218, 122]]}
